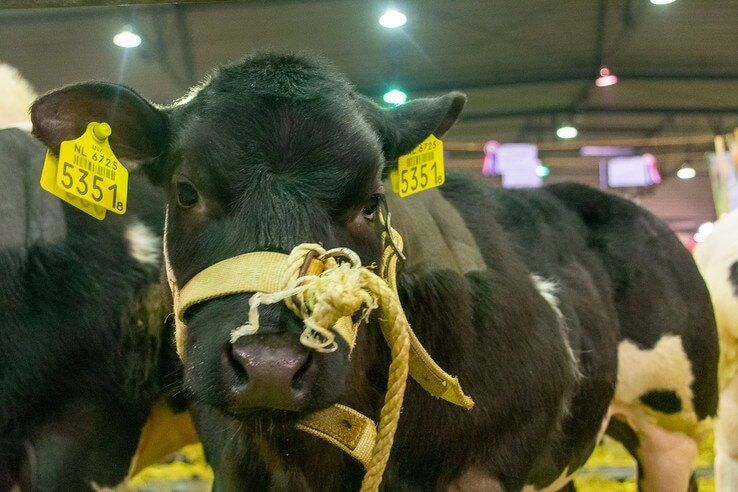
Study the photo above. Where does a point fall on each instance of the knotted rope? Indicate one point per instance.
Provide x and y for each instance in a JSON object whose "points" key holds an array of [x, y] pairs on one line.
{"points": [[342, 290]]}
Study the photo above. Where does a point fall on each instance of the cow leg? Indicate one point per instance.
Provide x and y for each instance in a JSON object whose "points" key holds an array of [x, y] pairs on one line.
{"points": [[726, 439], [8, 465], [85, 442], [666, 459]]}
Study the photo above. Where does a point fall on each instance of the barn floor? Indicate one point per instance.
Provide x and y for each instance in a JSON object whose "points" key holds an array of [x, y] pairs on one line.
{"points": [[610, 469]]}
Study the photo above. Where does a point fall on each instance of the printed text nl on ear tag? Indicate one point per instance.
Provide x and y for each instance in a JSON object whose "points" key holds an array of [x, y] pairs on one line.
{"points": [[48, 183], [422, 168], [89, 169]]}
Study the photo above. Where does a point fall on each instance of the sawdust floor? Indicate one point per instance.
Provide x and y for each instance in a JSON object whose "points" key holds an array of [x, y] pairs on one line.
{"points": [[610, 469]]}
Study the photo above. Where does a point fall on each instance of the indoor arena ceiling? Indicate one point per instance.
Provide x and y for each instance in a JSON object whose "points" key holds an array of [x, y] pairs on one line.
{"points": [[525, 65]]}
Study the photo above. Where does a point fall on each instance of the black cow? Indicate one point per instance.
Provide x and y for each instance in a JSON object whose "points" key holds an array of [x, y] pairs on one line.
{"points": [[82, 354], [539, 301]]}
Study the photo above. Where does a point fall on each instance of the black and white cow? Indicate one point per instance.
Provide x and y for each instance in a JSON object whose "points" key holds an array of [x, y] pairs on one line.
{"points": [[717, 258], [557, 308], [82, 356]]}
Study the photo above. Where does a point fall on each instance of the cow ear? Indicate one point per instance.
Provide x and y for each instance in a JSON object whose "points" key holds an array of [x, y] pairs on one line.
{"points": [[140, 130], [403, 127]]}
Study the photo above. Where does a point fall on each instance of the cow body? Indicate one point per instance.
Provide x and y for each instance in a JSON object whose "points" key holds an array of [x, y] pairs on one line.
{"points": [[717, 258], [556, 308], [80, 330]]}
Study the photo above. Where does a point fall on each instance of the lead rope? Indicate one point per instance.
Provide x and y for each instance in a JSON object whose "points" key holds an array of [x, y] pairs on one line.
{"points": [[340, 291]]}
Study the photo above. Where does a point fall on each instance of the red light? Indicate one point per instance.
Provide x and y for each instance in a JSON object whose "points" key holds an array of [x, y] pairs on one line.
{"points": [[606, 78]]}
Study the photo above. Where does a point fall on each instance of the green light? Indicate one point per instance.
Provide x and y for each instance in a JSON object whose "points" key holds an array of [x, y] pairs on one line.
{"points": [[395, 96], [542, 171]]}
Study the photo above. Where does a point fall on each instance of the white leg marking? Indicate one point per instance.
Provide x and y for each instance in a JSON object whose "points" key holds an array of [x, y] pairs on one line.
{"points": [[143, 245]]}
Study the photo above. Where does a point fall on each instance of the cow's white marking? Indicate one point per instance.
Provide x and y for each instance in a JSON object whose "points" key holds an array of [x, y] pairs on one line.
{"points": [[663, 367], [548, 289], [143, 245], [714, 257], [18, 95], [667, 446]]}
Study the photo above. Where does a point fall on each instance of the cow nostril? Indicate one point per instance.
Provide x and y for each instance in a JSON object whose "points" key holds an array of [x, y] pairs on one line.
{"points": [[237, 366], [297, 378]]}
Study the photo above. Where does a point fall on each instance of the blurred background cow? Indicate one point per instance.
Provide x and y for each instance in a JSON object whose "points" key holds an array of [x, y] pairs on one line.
{"points": [[84, 353]]}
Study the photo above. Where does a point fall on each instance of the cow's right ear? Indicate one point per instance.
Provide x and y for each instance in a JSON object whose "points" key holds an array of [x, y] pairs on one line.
{"points": [[140, 130]]}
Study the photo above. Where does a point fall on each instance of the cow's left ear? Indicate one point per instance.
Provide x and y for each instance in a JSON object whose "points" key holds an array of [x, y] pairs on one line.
{"points": [[140, 130], [403, 127]]}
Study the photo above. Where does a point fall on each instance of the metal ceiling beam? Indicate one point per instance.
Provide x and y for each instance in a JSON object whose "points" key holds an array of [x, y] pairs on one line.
{"points": [[31, 4], [572, 76], [490, 115]]}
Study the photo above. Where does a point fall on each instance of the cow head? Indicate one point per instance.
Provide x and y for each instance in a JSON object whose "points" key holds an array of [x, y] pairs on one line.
{"points": [[271, 152]]}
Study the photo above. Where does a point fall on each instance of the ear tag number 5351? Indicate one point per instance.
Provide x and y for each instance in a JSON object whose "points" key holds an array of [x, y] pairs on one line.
{"points": [[421, 169], [89, 170]]}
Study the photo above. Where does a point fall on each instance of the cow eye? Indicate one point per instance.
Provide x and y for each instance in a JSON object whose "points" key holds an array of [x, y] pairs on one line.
{"points": [[371, 206], [186, 194]]}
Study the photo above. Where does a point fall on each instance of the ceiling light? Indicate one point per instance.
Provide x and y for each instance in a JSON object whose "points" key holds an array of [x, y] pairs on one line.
{"points": [[392, 19], [126, 38], [606, 78], [395, 97], [686, 172], [566, 132], [662, 2], [542, 170]]}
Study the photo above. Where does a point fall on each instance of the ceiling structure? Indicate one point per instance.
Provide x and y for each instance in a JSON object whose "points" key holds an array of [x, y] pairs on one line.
{"points": [[526, 67]]}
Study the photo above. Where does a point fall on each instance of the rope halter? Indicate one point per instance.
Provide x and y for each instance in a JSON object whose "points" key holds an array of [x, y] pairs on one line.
{"points": [[328, 290]]}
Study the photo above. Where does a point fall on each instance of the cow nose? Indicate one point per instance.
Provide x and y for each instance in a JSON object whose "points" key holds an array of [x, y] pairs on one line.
{"points": [[273, 371]]}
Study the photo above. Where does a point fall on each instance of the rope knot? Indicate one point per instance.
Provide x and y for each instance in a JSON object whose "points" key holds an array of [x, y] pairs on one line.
{"points": [[320, 299]]}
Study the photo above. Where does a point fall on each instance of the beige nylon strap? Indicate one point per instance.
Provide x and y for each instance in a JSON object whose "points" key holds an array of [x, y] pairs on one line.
{"points": [[423, 368], [345, 428], [250, 272]]}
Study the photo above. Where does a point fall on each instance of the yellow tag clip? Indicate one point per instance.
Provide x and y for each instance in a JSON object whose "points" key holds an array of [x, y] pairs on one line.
{"points": [[421, 169], [88, 169]]}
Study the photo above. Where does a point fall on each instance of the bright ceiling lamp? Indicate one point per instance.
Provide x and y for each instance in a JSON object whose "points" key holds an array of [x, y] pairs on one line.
{"points": [[127, 38], [662, 2], [392, 19], [606, 78], [686, 172], [395, 96], [566, 132]]}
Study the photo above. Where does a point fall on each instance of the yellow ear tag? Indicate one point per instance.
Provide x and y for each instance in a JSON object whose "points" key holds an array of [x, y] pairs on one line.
{"points": [[422, 168], [395, 180], [89, 170], [48, 182]]}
